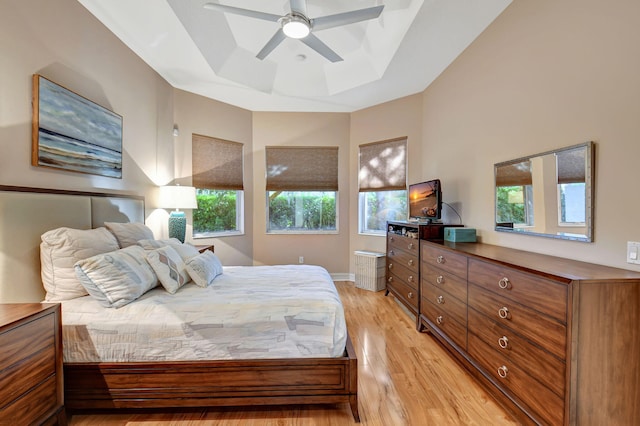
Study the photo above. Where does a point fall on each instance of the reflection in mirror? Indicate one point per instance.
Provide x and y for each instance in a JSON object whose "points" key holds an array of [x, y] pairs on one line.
{"points": [[548, 194]]}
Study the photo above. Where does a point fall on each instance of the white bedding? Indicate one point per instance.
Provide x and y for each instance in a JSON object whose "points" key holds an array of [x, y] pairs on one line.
{"points": [[248, 312]]}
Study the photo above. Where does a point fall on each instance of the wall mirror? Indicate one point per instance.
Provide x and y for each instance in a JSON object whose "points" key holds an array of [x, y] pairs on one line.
{"points": [[548, 194]]}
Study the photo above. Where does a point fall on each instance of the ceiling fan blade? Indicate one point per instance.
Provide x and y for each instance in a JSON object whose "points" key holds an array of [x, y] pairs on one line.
{"points": [[330, 21], [271, 44], [316, 44], [299, 6], [244, 12]]}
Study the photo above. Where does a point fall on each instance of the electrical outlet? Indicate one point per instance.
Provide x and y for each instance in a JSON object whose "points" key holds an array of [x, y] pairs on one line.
{"points": [[633, 252], [301, 259]]}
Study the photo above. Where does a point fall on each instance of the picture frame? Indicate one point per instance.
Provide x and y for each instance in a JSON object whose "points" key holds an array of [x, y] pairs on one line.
{"points": [[72, 133]]}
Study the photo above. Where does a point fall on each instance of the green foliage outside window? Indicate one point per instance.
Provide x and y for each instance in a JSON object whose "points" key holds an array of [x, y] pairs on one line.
{"points": [[302, 211], [382, 206], [508, 211], [216, 211]]}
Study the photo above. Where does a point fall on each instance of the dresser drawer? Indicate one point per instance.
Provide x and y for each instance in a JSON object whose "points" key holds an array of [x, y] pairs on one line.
{"points": [[452, 284], [406, 244], [536, 362], [548, 407], [21, 342], [446, 302], [546, 296], [403, 273], [444, 259], [444, 322], [399, 257], [407, 294], [542, 330]]}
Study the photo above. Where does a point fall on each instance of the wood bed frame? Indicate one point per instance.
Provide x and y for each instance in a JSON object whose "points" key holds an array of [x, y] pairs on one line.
{"points": [[29, 212], [100, 386]]}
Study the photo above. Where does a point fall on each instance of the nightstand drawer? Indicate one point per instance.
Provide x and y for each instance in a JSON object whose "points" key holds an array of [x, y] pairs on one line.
{"points": [[34, 405], [22, 342]]}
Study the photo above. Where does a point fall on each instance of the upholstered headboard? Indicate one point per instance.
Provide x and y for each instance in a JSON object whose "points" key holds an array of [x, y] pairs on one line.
{"points": [[27, 213]]}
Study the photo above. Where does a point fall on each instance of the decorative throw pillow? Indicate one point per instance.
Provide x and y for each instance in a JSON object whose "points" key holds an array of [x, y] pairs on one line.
{"points": [[117, 278], [60, 249], [169, 267], [186, 251], [128, 234], [203, 268]]}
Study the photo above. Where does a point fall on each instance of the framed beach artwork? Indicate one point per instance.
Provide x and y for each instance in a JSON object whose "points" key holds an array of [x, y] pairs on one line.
{"points": [[72, 133]]}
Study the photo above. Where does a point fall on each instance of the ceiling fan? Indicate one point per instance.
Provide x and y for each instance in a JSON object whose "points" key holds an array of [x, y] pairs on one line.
{"points": [[297, 25]]}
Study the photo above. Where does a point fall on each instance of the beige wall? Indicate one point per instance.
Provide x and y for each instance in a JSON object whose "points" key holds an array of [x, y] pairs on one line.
{"points": [[63, 42], [301, 129], [399, 118], [546, 74], [203, 116]]}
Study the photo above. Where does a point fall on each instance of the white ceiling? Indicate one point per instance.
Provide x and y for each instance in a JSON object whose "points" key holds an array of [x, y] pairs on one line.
{"points": [[213, 54]]}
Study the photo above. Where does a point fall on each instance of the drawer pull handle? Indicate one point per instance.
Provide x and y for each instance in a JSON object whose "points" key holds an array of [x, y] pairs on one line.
{"points": [[410, 295], [410, 278], [503, 371], [440, 259], [410, 246], [503, 342], [391, 239], [390, 279], [391, 266], [439, 319], [440, 300], [503, 312], [503, 283], [439, 279], [410, 262], [391, 253]]}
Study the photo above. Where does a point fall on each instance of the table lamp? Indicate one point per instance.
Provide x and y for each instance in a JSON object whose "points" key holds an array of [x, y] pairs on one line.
{"points": [[178, 197]]}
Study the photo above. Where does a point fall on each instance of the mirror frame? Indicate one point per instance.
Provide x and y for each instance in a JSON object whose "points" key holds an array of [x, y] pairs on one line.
{"points": [[589, 195]]}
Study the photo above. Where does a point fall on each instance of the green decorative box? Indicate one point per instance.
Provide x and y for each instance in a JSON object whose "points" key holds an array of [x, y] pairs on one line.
{"points": [[460, 235]]}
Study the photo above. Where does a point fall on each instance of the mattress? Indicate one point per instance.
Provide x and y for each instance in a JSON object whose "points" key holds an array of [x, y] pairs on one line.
{"points": [[248, 312]]}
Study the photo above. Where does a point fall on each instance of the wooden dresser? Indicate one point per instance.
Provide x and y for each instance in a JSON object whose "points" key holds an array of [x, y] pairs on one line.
{"points": [[403, 259], [31, 380], [554, 340]]}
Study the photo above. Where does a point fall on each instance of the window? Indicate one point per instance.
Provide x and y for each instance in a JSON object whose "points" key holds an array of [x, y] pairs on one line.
{"points": [[572, 188], [302, 189], [218, 178], [382, 183]]}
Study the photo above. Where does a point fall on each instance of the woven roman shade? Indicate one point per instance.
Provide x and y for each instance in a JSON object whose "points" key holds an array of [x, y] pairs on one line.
{"points": [[517, 174], [302, 168], [216, 163], [383, 166], [571, 165]]}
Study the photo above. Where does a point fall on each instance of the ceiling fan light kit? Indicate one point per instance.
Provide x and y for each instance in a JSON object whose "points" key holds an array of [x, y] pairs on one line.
{"points": [[297, 25]]}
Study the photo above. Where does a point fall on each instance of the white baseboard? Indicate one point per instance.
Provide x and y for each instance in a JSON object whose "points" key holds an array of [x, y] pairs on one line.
{"points": [[344, 277]]}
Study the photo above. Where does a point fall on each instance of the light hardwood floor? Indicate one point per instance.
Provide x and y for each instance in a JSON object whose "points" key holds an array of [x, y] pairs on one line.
{"points": [[404, 378]]}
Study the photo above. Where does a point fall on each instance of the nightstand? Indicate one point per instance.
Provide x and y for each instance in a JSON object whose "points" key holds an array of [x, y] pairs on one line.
{"points": [[204, 247], [31, 386]]}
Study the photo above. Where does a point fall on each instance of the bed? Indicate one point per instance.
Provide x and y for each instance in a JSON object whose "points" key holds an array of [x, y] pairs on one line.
{"points": [[97, 379]]}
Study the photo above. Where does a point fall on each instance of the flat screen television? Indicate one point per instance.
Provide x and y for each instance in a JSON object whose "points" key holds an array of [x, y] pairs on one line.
{"points": [[425, 201]]}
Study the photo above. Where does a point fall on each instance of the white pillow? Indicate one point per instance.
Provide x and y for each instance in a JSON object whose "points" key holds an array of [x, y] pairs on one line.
{"points": [[128, 234], [186, 251], [203, 268], [169, 267], [117, 278], [60, 249]]}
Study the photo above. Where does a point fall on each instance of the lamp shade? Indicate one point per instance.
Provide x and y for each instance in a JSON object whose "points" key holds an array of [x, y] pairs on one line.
{"points": [[178, 197]]}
